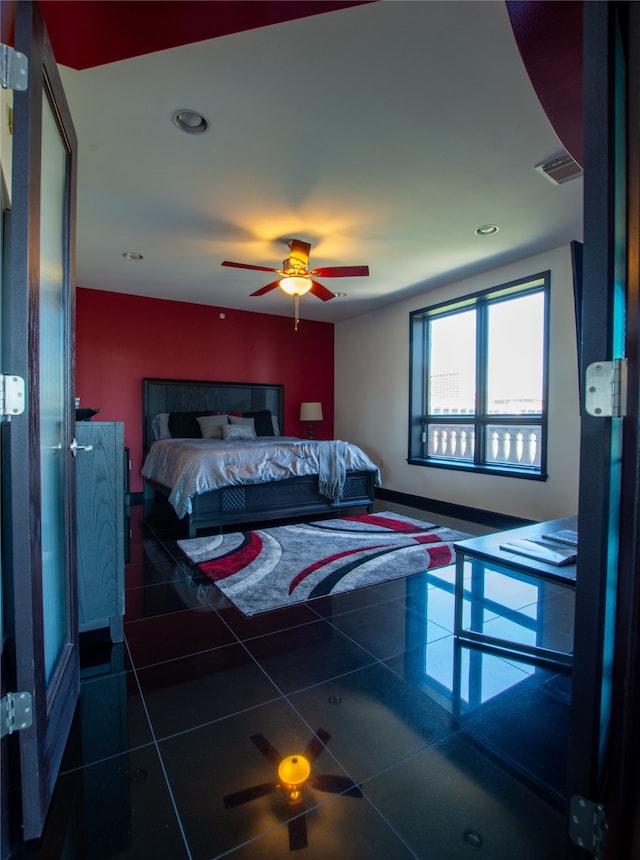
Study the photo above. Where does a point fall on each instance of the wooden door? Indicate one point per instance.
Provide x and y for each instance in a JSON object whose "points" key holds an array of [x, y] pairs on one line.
{"points": [[38, 476]]}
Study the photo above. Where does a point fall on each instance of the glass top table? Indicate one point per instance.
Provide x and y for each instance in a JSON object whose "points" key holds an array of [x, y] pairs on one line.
{"points": [[511, 603]]}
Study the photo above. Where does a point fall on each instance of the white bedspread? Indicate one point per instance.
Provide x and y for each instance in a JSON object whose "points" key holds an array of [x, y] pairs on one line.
{"points": [[194, 466]]}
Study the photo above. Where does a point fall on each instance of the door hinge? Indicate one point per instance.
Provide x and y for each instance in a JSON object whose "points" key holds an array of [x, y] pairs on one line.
{"points": [[14, 69], [588, 826], [11, 394], [606, 388], [16, 713]]}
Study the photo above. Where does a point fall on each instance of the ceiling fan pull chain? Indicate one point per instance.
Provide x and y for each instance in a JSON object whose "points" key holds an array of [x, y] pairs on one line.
{"points": [[296, 304]]}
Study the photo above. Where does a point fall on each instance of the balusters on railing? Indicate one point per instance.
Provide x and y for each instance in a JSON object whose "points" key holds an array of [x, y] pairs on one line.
{"points": [[451, 441], [466, 442], [494, 446], [508, 444], [519, 446]]}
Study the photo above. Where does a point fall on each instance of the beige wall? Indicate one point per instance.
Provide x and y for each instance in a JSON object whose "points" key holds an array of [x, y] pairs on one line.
{"points": [[372, 397]]}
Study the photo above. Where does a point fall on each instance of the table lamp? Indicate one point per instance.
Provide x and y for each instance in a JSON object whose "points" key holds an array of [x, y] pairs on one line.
{"points": [[311, 412]]}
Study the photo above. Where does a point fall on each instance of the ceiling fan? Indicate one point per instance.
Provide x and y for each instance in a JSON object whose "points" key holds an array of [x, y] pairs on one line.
{"points": [[294, 772], [297, 279]]}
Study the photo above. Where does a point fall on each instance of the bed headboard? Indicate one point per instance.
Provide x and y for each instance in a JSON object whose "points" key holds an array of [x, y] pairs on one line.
{"points": [[191, 395]]}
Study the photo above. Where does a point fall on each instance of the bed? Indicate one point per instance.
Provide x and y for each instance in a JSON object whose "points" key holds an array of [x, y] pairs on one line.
{"points": [[287, 478]]}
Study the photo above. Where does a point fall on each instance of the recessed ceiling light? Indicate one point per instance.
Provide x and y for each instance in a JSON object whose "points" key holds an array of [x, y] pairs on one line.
{"points": [[487, 230], [132, 255], [190, 121]]}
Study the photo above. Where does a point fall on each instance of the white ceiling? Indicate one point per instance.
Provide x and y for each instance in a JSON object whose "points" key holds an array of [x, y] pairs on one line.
{"points": [[383, 134]]}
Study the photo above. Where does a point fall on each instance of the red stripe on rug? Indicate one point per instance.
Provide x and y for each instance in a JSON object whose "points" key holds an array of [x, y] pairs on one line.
{"points": [[440, 556], [227, 565], [303, 574], [428, 538], [387, 522]]}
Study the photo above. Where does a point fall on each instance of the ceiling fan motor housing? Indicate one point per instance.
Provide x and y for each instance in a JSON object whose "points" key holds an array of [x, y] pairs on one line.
{"points": [[293, 266], [298, 259]]}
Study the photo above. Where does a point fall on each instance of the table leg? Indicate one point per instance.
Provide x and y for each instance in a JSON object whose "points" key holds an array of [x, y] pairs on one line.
{"points": [[458, 595]]}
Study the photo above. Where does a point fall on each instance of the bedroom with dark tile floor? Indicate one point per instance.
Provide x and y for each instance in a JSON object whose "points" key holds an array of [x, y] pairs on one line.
{"points": [[455, 752]]}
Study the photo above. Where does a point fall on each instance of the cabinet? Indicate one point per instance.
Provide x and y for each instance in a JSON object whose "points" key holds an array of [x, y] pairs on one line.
{"points": [[100, 505]]}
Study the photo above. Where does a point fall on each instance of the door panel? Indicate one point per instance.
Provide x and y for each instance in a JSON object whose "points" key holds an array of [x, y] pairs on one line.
{"points": [[38, 488], [596, 433], [53, 451]]}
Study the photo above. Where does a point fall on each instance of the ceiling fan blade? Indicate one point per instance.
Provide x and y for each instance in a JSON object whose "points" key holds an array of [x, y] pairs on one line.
{"points": [[341, 272], [321, 292], [317, 743], [267, 750], [335, 784], [247, 266], [297, 825], [266, 289], [246, 794]]}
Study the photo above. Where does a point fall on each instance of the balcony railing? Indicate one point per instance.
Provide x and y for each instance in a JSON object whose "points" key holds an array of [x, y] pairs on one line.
{"points": [[506, 445]]}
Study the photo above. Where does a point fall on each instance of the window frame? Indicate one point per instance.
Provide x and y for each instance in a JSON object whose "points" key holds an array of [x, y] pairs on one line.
{"points": [[480, 420]]}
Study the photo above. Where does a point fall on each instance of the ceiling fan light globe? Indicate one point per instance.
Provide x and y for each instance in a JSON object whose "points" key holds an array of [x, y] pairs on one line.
{"points": [[293, 771], [296, 286]]}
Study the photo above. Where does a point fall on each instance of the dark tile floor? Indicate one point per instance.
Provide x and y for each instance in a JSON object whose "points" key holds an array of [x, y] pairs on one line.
{"points": [[459, 753]]}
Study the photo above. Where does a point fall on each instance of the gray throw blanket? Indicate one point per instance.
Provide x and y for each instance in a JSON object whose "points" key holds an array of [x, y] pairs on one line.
{"points": [[332, 471]]}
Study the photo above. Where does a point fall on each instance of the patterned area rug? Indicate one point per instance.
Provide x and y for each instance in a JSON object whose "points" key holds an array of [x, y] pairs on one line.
{"points": [[267, 568]]}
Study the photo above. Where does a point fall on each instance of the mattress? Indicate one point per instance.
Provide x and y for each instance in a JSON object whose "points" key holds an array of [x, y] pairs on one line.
{"points": [[190, 467]]}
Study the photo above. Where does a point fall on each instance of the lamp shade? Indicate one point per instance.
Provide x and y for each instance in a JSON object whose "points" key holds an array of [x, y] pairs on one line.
{"points": [[311, 411]]}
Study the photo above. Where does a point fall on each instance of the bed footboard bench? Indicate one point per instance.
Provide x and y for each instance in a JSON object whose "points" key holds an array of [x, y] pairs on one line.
{"points": [[253, 503]]}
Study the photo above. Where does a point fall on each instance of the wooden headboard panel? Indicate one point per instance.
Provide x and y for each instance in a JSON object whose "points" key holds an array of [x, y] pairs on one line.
{"points": [[191, 395]]}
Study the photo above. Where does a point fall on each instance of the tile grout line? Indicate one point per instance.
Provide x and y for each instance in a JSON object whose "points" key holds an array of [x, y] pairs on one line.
{"points": [[159, 754]]}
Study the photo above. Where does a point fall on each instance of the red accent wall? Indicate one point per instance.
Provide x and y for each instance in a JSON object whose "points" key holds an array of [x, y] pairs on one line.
{"points": [[120, 339]]}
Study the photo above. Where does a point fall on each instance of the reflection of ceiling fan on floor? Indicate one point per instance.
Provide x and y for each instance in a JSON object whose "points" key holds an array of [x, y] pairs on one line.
{"points": [[297, 279], [294, 772]]}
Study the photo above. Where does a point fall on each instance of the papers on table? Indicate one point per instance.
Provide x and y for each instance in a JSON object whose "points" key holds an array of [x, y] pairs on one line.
{"points": [[541, 551], [568, 536]]}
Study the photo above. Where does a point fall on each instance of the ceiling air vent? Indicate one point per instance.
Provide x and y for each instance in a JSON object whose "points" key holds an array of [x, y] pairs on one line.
{"points": [[560, 168]]}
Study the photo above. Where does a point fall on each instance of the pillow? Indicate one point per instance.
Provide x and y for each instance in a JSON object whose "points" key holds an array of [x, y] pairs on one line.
{"points": [[211, 426], [184, 425], [160, 426], [236, 432], [262, 422], [275, 424], [239, 419]]}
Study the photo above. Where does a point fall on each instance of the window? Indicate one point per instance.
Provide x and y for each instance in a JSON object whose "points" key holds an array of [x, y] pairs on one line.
{"points": [[478, 396]]}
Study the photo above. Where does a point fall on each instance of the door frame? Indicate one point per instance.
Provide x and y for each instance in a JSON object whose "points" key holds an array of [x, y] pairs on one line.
{"points": [[604, 745], [620, 779]]}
